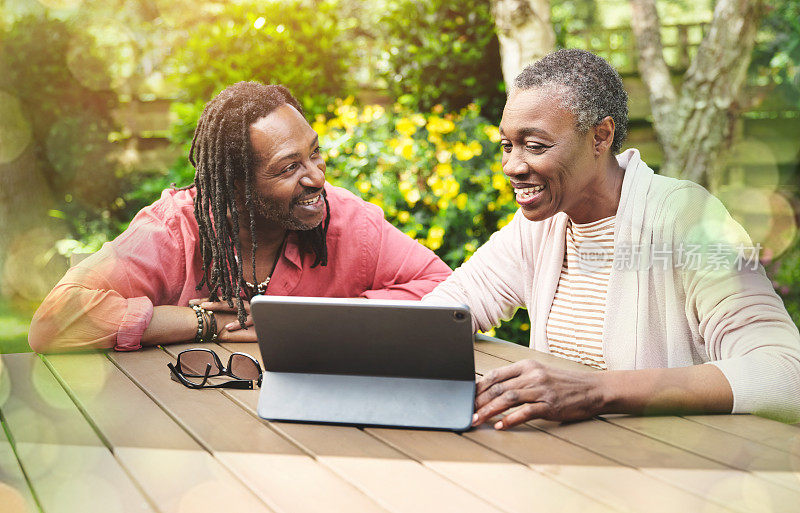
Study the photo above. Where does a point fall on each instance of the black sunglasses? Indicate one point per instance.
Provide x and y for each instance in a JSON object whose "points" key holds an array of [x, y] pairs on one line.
{"points": [[204, 363]]}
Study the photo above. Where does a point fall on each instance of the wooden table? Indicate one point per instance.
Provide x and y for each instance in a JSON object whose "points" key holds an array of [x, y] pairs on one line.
{"points": [[112, 433]]}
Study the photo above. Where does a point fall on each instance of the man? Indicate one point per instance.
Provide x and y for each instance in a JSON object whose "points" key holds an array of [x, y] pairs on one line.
{"points": [[259, 219]]}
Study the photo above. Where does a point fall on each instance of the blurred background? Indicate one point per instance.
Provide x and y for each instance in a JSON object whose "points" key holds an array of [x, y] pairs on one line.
{"points": [[99, 99]]}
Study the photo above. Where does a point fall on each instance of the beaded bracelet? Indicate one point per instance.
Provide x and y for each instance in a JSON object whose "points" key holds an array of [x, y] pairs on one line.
{"points": [[199, 313], [212, 324]]}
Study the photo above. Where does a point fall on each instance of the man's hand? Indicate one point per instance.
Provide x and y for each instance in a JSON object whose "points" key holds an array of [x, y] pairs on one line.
{"points": [[540, 392], [225, 322], [228, 327]]}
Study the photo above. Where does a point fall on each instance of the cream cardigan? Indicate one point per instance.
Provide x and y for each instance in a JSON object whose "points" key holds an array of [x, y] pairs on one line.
{"points": [[657, 316]]}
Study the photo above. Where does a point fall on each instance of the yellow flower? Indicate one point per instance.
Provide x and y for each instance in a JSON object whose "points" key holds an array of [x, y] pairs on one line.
{"points": [[499, 181], [403, 216], [492, 132], [404, 148], [451, 187], [439, 125], [361, 149], [503, 222], [438, 108], [412, 233], [443, 169], [435, 237], [462, 151], [319, 125], [333, 153], [376, 201], [461, 201], [443, 204], [412, 197], [443, 156], [364, 187], [475, 147], [491, 206], [418, 119], [406, 127], [525, 326], [371, 113]]}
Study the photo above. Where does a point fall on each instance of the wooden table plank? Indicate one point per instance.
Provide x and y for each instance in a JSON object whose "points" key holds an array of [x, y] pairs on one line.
{"points": [[15, 494], [374, 466], [727, 487], [734, 451], [276, 470], [176, 473], [69, 468], [623, 487], [501, 481]]}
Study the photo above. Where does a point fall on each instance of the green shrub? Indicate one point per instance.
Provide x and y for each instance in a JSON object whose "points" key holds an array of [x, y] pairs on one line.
{"points": [[785, 275], [296, 43], [443, 52]]}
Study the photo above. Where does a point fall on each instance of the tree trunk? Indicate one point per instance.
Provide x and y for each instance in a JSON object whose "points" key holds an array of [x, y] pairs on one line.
{"points": [[525, 33], [695, 125]]}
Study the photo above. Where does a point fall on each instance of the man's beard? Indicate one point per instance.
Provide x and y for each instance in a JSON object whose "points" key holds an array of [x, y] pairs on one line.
{"points": [[285, 219]]}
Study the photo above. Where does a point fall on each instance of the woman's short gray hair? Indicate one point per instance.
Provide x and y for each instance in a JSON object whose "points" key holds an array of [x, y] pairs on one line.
{"points": [[592, 89]]}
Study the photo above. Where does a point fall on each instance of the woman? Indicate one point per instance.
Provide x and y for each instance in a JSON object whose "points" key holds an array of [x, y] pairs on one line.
{"points": [[619, 268]]}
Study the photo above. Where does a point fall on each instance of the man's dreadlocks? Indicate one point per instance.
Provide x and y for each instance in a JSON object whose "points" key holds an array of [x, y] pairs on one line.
{"points": [[222, 156]]}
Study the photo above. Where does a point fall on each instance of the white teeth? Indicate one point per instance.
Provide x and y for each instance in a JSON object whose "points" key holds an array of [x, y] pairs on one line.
{"points": [[529, 190], [309, 201]]}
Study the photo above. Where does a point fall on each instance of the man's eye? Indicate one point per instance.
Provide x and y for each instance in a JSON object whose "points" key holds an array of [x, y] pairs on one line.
{"points": [[536, 148], [316, 151], [506, 147], [291, 167]]}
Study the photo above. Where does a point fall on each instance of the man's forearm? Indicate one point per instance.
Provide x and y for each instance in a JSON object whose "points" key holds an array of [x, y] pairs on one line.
{"points": [[695, 389], [170, 324]]}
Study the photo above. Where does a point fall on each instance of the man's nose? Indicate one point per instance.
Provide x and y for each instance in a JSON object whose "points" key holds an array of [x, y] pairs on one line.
{"points": [[314, 176]]}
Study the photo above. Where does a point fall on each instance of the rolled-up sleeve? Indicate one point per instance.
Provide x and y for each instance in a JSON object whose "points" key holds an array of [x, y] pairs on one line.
{"points": [[107, 300]]}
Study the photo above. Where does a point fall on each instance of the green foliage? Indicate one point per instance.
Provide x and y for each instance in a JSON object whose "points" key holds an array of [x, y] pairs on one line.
{"points": [[776, 58], [296, 43], [443, 52], [785, 275], [14, 322], [571, 16], [48, 65]]}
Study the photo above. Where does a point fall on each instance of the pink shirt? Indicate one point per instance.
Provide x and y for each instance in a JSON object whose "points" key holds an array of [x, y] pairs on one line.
{"points": [[107, 300]]}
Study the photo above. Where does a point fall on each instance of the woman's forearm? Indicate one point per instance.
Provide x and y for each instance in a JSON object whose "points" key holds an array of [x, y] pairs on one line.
{"points": [[695, 389], [170, 324]]}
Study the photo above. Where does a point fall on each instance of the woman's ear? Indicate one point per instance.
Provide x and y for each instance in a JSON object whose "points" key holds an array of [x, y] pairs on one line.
{"points": [[603, 135]]}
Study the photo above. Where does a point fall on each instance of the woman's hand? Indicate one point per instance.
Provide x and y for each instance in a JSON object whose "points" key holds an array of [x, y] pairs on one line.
{"points": [[540, 391]]}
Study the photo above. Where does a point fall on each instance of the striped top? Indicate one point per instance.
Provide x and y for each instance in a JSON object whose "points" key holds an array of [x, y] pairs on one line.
{"points": [[575, 324]]}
